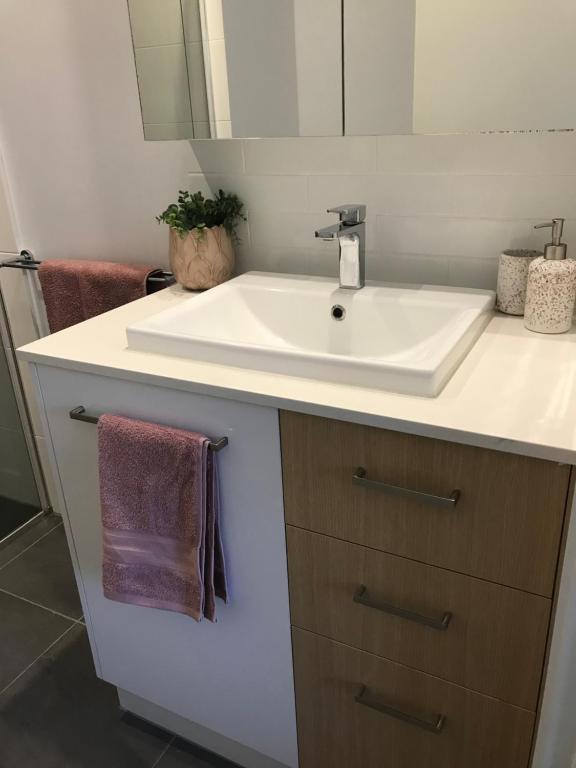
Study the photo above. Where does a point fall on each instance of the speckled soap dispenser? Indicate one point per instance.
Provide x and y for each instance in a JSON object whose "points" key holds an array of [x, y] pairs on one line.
{"points": [[551, 292]]}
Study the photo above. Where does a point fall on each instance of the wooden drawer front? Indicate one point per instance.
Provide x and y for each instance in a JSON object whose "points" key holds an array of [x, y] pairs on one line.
{"points": [[495, 637], [505, 527], [335, 730]]}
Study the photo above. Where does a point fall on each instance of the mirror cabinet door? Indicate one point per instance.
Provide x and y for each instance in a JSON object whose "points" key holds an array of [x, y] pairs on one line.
{"points": [[230, 68], [379, 72], [273, 68], [494, 65]]}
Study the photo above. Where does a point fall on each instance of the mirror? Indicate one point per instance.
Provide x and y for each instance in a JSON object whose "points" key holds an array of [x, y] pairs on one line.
{"points": [[273, 68]]}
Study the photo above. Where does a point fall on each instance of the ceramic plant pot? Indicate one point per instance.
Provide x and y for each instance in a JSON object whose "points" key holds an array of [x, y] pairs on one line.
{"points": [[201, 260]]}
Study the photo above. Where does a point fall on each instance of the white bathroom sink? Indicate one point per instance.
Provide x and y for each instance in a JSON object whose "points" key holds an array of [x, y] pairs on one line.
{"points": [[403, 338]]}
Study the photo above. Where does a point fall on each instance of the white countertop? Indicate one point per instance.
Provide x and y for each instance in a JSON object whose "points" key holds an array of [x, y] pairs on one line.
{"points": [[515, 391]]}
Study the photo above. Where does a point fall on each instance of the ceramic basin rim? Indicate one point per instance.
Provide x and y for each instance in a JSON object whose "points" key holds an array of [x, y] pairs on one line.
{"points": [[467, 320]]}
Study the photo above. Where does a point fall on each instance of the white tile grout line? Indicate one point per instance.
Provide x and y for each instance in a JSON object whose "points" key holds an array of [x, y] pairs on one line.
{"points": [[163, 753], [39, 605], [31, 545], [23, 672]]}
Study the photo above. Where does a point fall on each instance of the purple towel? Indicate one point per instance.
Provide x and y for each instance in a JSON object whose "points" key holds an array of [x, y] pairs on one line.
{"points": [[78, 290], [160, 516]]}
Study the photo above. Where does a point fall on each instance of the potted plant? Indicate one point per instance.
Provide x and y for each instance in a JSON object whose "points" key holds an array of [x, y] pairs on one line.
{"points": [[201, 237]]}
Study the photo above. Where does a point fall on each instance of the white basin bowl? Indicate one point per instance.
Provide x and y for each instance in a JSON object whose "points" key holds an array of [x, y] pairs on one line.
{"points": [[403, 338]]}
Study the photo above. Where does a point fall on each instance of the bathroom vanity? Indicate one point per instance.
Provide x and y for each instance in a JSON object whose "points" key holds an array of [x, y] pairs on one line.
{"points": [[400, 567]]}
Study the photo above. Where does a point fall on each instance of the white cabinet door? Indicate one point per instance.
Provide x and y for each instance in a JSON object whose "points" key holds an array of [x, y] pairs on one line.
{"points": [[235, 676]]}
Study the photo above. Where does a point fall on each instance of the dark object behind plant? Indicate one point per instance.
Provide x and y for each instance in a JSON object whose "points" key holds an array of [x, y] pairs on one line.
{"points": [[194, 211]]}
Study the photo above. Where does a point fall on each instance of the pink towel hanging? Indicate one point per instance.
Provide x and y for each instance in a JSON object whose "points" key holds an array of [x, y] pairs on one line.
{"points": [[160, 515], [75, 291]]}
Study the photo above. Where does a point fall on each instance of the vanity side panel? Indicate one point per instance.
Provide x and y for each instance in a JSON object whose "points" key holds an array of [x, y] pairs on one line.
{"points": [[234, 677]]}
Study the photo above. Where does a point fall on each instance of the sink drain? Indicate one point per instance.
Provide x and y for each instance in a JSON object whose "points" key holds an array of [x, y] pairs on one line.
{"points": [[338, 312]]}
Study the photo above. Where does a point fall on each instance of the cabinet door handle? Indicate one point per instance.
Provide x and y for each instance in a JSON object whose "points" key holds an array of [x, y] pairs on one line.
{"points": [[435, 724], [441, 622], [360, 478]]}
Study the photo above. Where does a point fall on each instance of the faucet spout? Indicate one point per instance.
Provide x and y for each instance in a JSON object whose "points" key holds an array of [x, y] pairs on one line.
{"points": [[350, 232], [329, 233]]}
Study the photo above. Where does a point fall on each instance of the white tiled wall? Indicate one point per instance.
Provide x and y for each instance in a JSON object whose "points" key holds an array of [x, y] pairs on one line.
{"points": [[440, 208]]}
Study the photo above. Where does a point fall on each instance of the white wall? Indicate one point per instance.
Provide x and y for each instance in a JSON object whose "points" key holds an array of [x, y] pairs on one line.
{"points": [[470, 57], [83, 180], [7, 222]]}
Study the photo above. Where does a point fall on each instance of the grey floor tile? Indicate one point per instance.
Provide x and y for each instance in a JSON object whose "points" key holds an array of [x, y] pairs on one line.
{"points": [[44, 575], [41, 528], [25, 632], [59, 715], [182, 754]]}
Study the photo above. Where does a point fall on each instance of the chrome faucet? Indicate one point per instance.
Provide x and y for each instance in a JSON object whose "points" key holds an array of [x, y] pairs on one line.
{"points": [[351, 235]]}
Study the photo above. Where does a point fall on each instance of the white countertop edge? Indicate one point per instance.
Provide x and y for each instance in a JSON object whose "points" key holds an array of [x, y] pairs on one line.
{"points": [[422, 429], [514, 392]]}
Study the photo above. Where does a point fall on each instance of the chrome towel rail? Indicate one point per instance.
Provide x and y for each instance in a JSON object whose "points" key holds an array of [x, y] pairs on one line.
{"points": [[79, 414], [27, 261]]}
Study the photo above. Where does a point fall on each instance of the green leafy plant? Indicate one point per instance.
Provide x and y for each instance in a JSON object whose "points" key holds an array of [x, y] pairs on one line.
{"points": [[194, 211]]}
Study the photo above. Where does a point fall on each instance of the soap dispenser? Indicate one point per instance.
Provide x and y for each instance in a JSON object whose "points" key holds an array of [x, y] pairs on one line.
{"points": [[551, 292]]}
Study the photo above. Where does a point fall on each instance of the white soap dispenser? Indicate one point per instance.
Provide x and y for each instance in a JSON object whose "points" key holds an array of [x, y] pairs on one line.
{"points": [[551, 292]]}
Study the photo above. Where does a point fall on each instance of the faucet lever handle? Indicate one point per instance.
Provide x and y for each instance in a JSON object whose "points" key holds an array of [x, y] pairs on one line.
{"points": [[353, 213]]}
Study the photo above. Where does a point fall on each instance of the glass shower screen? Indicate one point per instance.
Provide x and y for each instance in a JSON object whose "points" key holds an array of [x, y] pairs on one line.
{"points": [[19, 498]]}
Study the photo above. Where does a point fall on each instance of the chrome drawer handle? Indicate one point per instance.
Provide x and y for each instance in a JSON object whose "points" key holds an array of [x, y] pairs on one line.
{"points": [[441, 623], [360, 478], [434, 725]]}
